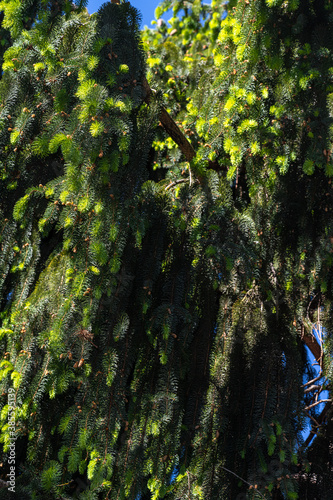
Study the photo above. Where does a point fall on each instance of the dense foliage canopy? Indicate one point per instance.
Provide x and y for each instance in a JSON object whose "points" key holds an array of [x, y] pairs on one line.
{"points": [[166, 232]]}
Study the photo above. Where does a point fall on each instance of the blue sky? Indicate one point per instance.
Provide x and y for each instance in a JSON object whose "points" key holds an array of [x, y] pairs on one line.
{"points": [[146, 7]]}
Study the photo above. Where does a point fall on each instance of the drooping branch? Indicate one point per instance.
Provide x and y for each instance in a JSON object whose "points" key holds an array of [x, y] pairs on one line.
{"points": [[188, 151]]}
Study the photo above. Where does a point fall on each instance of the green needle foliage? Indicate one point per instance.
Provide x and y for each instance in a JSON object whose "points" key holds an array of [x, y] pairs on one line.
{"points": [[155, 307]]}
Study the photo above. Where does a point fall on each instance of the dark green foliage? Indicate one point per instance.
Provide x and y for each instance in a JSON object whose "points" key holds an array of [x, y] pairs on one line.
{"points": [[157, 326]]}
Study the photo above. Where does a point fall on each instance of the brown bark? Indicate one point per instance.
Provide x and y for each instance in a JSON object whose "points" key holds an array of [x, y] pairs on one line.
{"points": [[177, 135], [311, 342]]}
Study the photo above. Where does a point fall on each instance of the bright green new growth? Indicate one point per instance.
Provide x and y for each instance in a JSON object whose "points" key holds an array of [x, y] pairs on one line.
{"points": [[154, 309]]}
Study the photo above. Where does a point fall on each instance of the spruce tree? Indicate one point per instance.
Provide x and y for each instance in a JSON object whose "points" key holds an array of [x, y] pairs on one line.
{"points": [[166, 249]]}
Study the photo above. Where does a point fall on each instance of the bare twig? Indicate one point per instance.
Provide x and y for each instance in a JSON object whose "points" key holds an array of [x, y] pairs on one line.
{"points": [[313, 419], [313, 388], [189, 485], [236, 475], [320, 420], [313, 380], [174, 183], [318, 403]]}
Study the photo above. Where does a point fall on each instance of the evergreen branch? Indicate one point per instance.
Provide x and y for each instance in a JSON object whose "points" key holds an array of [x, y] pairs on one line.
{"points": [[151, 290]]}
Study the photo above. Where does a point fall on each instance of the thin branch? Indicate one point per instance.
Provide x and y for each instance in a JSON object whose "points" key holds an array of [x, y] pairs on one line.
{"points": [[313, 380], [314, 420], [313, 388], [189, 485], [174, 183], [236, 475], [310, 437], [320, 420], [318, 403]]}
